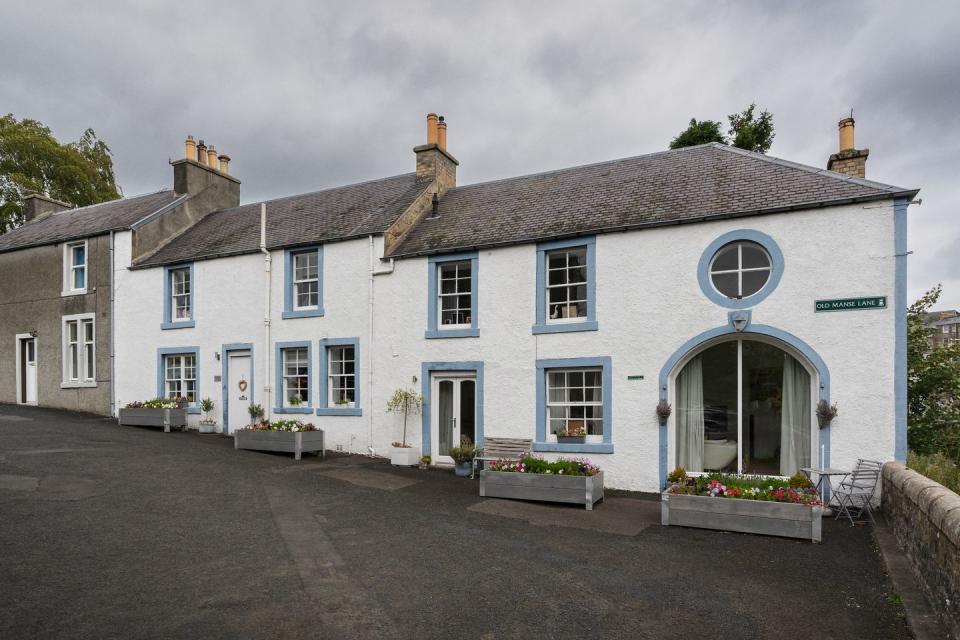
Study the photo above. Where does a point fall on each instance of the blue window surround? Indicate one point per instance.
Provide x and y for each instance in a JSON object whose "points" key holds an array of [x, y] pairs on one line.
{"points": [[224, 359], [426, 369], [590, 324], [324, 409], [751, 235], [170, 351], [694, 343], [278, 363], [288, 310], [168, 322], [433, 331], [900, 320], [541, 444]]}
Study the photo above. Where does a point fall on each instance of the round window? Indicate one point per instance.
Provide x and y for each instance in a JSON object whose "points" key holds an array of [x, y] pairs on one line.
{"points": [[740, 269]]}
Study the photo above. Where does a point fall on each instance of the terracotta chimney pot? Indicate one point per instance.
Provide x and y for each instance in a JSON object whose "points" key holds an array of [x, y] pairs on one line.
{"points": [[846, 133], [224, 163], [190, 148], [212, 157], [432, 128], [442, 133], [201, 153]]}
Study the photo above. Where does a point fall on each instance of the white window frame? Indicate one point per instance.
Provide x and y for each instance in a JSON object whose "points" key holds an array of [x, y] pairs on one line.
{"points": [[946, 328], [331, 376], [457, 265], [86, 371], [285, 378], [296, 282], [566, 251], [182, 379], [551, 436], [188, 293], [69, 268], [740, 270]]}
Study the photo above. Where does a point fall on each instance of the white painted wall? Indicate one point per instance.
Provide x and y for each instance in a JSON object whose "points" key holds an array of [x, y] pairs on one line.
{"points": [[648, 305]]}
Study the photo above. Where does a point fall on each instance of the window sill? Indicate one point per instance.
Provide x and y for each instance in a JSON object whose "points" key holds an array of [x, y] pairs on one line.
{"points": [[193, 410], [472, 332], [586, 447], [78, 292], [302, 313], [565, 327], [339, 411], [184, 324], [79, 385], [304, 410]]}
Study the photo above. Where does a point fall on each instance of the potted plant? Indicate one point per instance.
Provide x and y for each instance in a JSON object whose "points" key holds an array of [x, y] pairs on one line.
{"points": [[576, 433], [158, 412], [256, 413], [826, 412], [663, 412], [577, 481], [425, 462], [207, 424], [290, 436], [463, 457], [408, 402]]}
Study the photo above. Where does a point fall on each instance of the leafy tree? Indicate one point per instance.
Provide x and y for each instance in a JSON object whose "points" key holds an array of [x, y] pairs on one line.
{"points": [[747, 131], [752, 133], [933, 386], [698, 132], [32, 160]]}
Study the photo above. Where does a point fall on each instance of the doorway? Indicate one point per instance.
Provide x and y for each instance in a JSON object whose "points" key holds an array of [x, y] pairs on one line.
{"points": [[239, 389], [26, 369], [454, 414], [744, 406]]}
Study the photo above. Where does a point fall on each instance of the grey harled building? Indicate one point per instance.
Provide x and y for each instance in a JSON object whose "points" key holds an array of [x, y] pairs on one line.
{"points": [[57, 283]]}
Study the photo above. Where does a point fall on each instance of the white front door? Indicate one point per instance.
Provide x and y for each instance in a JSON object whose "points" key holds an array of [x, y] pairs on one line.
{"points": [[239, 390], [453, 414], [28, 360]]}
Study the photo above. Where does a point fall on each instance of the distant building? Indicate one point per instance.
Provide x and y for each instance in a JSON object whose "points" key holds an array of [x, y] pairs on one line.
{"points": [[945, 327]]}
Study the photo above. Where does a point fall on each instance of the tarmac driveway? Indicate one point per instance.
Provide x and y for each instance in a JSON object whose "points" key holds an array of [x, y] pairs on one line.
{"points": [[111, 531]]}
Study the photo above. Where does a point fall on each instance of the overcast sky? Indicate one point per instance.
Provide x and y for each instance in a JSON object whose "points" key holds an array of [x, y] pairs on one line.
{"points": [[306, 95]]}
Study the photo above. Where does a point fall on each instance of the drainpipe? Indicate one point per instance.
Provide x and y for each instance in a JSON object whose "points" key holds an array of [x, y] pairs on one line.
{"points": [[113, 333], [267, 260], [370, 448]]}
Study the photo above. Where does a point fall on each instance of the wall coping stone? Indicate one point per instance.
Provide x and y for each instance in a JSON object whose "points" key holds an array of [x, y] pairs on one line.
{"points": [[941, 505]]}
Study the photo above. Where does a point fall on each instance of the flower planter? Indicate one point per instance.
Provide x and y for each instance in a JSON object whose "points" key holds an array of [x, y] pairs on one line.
{"points": [[207, 427], [783, 519], [571, 439], [165, 418], [295, 442], [404, 456], [585, 490]]}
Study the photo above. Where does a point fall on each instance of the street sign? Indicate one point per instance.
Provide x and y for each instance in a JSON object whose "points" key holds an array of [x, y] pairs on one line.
{"points": [[851, 304]]}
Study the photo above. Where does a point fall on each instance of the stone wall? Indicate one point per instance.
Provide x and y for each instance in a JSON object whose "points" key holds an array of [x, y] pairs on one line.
{"points": [[925, 517]]}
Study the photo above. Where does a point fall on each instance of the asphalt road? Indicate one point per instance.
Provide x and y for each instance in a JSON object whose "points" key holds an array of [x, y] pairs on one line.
{"points": [[109, 532]]}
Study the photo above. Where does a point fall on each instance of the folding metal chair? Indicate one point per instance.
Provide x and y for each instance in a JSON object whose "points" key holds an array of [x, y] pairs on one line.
{"points": [[856, 490]]}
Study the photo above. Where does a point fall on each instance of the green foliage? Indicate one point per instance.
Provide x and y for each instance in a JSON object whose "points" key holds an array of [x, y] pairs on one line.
{"points": [[405, 401], [560, 467], [799, 480], [255, 411], [753, 133], [677, 476], [938, 468], [698, 132], [206, 405], [32, 160], [747, 131], [933, 386], [463, 454]]}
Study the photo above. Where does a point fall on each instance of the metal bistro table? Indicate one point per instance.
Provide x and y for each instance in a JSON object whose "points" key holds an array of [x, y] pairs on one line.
{"points": [[826, 472]]}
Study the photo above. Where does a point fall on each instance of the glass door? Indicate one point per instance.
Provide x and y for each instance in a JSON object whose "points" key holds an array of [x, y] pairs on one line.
{"points": [[455, 416], [744, 406]]}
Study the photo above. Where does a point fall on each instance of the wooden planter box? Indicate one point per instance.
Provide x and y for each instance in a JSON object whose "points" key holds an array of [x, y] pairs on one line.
{"points": [[744, 516], [165, 418], [585, 490], [295, 442]]}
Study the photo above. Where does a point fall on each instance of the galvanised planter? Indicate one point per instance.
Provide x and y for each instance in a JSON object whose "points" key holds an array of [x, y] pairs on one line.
{"points": [[585, 490], [165, 418], [764, 518], [295, 442]]}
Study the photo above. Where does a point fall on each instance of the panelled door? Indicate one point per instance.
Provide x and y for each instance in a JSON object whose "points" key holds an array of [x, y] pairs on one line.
{"points": [[239, 389], [28, 370], [454, 413]]}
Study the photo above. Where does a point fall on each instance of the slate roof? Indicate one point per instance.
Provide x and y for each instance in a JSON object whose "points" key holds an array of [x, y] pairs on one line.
{"points": [[669, 187], [340, 213], [85, 222]]}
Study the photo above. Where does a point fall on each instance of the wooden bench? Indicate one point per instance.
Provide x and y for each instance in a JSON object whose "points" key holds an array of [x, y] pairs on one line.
{"points": [[501, 449]]}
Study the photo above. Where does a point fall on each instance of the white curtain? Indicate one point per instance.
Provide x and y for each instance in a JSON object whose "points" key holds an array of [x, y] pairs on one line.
{"points": [[690, 416], [795, 418]]}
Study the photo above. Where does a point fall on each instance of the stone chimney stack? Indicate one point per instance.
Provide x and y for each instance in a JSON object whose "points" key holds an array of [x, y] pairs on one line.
{"points": [[848, 160], [37, 207], [434, 162]]}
